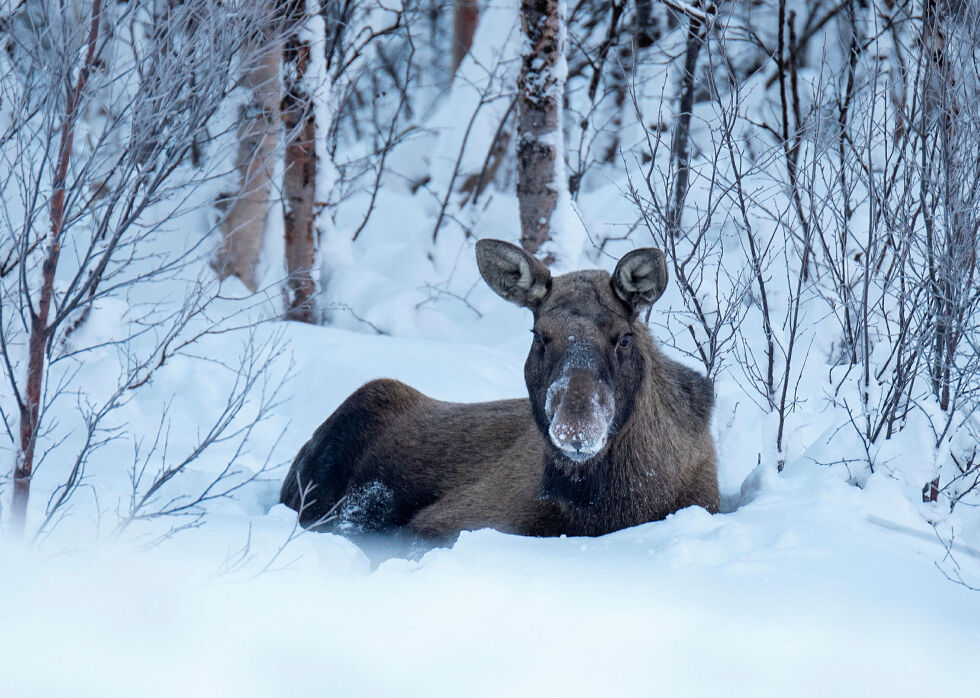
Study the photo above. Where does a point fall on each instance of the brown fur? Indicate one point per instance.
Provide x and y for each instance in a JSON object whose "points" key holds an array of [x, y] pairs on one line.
{"points": [[402, 459]]}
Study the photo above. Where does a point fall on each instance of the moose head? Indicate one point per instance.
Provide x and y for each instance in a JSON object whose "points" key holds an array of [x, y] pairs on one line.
{"points": [[588, 356]]}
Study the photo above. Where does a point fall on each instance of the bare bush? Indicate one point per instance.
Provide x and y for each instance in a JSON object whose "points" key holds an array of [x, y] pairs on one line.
{"points": [[852, 189], [93, 201]]}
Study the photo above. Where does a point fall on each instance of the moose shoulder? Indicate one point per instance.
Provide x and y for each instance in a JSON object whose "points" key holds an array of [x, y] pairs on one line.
{"points": [[612, 433]]}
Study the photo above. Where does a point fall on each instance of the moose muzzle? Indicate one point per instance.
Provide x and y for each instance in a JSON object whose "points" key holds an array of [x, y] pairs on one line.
{"points": [[580, 409]]}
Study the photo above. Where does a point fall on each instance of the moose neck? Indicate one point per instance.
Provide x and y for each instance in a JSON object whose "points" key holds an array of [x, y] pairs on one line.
{"points": [[601, 496]]}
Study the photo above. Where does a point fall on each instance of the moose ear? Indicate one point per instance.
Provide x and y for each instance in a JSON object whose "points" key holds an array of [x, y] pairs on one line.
{"points": [[640, 277], [512, 273]]}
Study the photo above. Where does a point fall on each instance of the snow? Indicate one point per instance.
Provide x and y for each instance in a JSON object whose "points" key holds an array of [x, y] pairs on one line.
{"points": [[796, 593], [798, 589]]}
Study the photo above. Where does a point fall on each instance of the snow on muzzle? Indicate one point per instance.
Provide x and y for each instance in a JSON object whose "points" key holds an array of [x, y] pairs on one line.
{"points": [[580, 410]]}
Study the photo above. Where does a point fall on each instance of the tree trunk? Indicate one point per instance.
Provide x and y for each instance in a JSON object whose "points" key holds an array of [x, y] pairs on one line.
{"points": [[243, 223], [30, 407], [299, 176], [540, 166], [466, 17], [682, 127]]}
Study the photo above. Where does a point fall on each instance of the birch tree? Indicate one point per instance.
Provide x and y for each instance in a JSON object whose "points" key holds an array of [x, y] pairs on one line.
{"points": [[540, 165], [466, 16], [245, 210], [41, 325], [300, 164]]}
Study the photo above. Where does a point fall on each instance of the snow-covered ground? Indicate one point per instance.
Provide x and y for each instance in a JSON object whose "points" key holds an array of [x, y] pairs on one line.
{"points": [[783, 598], [809, 586]]}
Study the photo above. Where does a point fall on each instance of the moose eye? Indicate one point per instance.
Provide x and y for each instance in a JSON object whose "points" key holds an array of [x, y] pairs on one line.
{"points": [[624, 341], [537, 337]]}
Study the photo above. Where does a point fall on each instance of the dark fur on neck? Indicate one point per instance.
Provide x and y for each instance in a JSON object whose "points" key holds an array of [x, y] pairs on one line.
{"points": [[581, 487]]}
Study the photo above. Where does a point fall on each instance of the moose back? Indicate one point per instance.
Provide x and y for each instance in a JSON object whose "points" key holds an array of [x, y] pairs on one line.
{"points": [[612, 433]]}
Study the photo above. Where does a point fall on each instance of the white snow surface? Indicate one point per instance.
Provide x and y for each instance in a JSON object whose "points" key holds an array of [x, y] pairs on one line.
{"points": [[811, 586], [794, 594]]}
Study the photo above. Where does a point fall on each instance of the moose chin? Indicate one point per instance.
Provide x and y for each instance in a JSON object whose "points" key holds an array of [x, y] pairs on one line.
{"points": [[612, 433]]}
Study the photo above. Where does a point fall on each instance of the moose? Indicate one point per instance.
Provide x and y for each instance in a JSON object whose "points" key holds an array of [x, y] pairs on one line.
{"points": [[612, 433]]}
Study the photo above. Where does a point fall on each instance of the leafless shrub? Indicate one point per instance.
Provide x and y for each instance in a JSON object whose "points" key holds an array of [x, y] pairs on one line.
{"points": [[254, 379], [93, 202], [900, 248], [852, 195], [713, 293]]}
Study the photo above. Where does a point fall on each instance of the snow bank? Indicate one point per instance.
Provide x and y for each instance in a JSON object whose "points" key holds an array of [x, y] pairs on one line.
{"points": [[796, 593]]}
